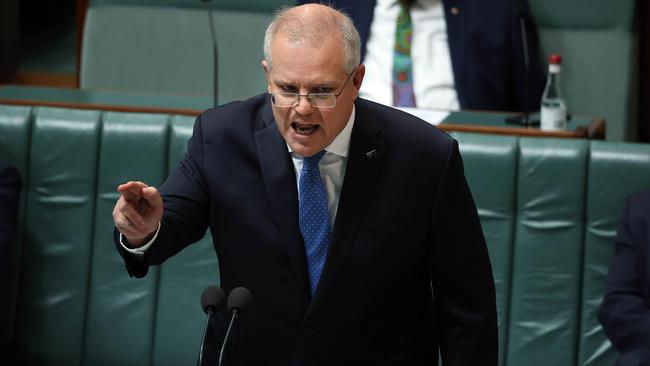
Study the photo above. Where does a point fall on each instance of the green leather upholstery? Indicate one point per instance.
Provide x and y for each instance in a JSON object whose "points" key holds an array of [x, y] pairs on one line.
{"points": [[549, 209], [14, 145], [74, 293], [549, 268], [498, 155], [599, 44], [168, 51], [57, 248], [547, 251]]}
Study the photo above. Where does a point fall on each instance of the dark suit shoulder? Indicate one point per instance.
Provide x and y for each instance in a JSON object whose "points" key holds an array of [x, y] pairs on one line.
{"points": [[254, 113], [8, 173], [404, 131], [638, 203]]}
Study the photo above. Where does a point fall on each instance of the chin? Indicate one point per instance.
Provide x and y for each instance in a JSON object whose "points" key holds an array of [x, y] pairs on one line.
{"points": [[304, 150]]}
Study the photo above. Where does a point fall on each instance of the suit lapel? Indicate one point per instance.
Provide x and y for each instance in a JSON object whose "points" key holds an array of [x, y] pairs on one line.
{"points": [[365, 161], [280, 182]]}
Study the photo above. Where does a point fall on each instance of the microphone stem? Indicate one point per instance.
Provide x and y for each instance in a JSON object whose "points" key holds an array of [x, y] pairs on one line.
{"points": [[235, 313], [205, 330]]}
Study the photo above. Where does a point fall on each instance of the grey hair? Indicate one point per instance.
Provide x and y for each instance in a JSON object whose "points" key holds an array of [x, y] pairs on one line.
{"points": [[298, 27]]}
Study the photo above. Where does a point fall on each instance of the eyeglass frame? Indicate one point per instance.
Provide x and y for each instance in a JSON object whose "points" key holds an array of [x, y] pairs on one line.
{"points": [[307, 96]]}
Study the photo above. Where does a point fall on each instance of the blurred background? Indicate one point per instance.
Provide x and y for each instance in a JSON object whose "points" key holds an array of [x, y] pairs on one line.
{"points": [[163, 47], [97, 92]]}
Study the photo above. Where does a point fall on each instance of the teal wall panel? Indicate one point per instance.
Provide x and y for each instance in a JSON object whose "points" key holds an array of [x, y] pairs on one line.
{"points": [[584, 14], [168, 51]]}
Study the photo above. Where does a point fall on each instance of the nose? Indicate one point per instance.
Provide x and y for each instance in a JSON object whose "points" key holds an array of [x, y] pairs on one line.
{"points": [[304, 107]]}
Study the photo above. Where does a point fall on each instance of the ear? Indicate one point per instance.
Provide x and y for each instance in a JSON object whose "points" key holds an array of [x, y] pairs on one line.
{"points": [[265, 67], [357, 78]]}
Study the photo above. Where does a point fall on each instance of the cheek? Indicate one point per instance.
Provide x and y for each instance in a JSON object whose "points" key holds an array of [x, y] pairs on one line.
{"points": [[334, 123], [281, 118]]}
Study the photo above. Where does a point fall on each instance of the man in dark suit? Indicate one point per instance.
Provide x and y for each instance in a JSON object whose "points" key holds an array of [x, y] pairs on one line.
{"points": [[485, 45], [625, 311], [396, 264]]}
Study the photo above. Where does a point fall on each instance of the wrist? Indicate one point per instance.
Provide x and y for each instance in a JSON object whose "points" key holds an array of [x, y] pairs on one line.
{"points": [[136, 242]]}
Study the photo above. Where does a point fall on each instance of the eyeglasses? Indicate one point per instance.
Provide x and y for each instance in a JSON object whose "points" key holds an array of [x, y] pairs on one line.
{"points": [[317, 100]]}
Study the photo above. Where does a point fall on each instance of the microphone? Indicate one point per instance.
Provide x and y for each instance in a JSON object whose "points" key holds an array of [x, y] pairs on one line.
{"points": [[212, 299], [237, 301]]}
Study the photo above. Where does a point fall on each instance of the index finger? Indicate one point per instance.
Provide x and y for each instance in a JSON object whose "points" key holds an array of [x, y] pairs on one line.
{"points": [[131, 191]]}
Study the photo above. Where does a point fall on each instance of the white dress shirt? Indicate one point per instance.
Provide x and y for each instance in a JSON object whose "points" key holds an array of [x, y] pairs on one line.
{"points": [[433, 77]]}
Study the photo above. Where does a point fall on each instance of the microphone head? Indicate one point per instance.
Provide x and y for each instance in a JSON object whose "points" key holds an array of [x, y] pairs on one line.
{"points": [[238, 299], [212, 298]]}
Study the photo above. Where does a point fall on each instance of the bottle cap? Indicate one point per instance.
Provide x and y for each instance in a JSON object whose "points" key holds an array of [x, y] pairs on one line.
{"points": [[555, 59]]}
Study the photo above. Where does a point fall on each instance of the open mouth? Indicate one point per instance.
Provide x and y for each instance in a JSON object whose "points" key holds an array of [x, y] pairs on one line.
{"points": [[304, 129]]}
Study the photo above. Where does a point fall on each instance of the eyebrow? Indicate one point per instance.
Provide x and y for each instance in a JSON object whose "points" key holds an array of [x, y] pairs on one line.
{"points": [[327, 84]]}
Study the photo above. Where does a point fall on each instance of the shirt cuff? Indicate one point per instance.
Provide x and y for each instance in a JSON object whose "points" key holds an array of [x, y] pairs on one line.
{"points": [[139, 252]]}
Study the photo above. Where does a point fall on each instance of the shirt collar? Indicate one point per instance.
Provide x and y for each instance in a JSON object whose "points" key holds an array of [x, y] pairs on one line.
{"points": [[340, 146]]}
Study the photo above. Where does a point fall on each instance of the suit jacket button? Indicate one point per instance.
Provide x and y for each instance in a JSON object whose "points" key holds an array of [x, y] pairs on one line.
{"points": [[307, 331]]}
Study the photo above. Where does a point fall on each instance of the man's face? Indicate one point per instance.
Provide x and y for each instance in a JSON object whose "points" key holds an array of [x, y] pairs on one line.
{"points": [[311, 68]]}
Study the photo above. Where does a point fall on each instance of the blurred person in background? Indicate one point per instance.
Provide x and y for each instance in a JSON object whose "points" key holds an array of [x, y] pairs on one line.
{"points": [[625, 311], [447, 54]]}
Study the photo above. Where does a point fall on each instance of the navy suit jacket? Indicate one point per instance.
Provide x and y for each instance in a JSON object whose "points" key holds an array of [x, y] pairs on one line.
{"points": [[625, 311], [406, 223], [486, 50]]}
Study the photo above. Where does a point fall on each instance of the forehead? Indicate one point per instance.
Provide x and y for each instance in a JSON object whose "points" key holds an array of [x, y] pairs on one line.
{"points": [[307, 59]]}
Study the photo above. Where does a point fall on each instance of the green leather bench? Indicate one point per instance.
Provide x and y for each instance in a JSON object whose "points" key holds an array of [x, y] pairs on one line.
{"points": [[166, 48], [549, 208]]}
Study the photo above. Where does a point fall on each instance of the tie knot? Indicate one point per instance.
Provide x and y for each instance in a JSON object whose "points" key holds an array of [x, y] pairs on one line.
{"points": [[311, 162]]}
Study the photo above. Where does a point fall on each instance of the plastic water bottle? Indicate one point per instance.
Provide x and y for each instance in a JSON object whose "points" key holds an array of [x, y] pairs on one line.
{"points": [[553, 113]]}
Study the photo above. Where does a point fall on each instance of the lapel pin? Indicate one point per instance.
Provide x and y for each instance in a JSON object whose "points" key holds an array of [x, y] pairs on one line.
{"points": [[371, 154]]}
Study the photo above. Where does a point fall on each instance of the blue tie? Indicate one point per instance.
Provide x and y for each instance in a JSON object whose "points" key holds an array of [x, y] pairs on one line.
{"points": [[314, 217]]}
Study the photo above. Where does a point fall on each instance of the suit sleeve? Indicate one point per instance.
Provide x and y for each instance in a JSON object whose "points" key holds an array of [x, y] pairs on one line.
{"points": [[463, 285], [624, 313], [186, 210]]}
